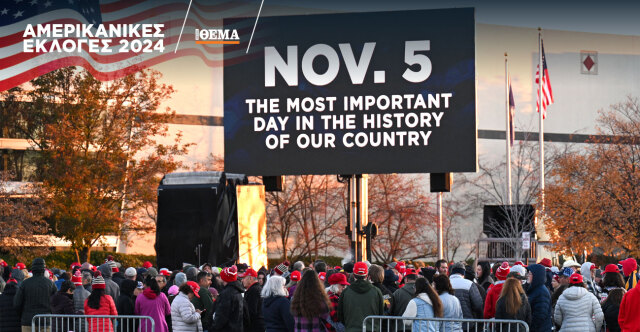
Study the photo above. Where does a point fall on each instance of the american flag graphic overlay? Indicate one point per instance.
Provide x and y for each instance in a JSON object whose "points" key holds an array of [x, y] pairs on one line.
{"points": [[547, 92], [17, 67]]}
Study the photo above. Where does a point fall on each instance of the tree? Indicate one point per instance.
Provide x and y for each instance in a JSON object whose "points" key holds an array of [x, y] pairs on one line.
{"points": [[101, 157], [307, 218], [405, 219], [488, 187], [594, 197], [22, 223]]}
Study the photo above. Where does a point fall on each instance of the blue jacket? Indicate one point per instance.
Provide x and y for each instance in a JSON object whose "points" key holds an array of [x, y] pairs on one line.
{"points": [[277, 315], [539, 300]]}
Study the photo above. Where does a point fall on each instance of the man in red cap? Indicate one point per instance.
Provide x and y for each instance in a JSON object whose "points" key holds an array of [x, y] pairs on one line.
{"points": [[359, 300], [253, 301], [230, 304], [629, 267]]}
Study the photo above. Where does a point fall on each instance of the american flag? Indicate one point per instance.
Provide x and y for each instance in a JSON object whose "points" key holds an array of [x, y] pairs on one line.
{"points": [[512, 113], [17, 67], [547, 93]]}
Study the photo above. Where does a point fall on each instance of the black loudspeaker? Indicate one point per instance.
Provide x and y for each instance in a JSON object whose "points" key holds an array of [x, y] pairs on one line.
{"points": [[440, 182], [272, 183], [197, 220]]}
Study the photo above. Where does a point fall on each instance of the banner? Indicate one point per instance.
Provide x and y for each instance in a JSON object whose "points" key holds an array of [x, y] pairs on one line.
{"points": [[384, 92]]}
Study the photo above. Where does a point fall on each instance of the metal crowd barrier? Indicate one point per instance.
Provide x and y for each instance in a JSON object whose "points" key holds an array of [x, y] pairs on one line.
{"points": [[91, 323], [406, 324]]}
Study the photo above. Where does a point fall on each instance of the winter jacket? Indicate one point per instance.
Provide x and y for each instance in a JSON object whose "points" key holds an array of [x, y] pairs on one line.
{"points": [[629, 316], [470, 299], [523, 314], [585, 270], [126, 305], [611, 312], [631, 281], [421, 307], [112, 288], [486, 283], [539, 300], [452, 310], [277, 314], [358, 301], [155, 306], [253, 302], [62, 304], [229, 309], [204, 303], [184, 317], [107, 307], [401, 298], [32, 297], [492, 298], [578, 310], [79, 295], [386, 296], [9, 316]]}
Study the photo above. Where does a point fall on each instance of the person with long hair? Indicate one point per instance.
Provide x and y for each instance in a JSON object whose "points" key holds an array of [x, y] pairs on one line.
{"points": [[577, 309], [483, 275], [153, 303], [276, 306], [450, 304], [184, 316], [611, 309], [425, 304], [310, 306], [513, 304], [612, 280], [99, 303]]}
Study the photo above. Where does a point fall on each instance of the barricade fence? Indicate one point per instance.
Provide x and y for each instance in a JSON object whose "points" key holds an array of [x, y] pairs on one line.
{"points": [[406, 324], [91, 323]]}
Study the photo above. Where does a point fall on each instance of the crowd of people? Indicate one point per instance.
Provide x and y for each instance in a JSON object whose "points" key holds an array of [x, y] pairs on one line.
{"points": [[295, 297]]}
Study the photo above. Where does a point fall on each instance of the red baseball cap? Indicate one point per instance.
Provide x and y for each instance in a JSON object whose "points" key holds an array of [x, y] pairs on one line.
{"points": [[410, 271], [165, 272], [576, 278], [147, 265], [611, 268], [194, 287], [400, 267], [249, 272], [21, 266], [322, 275], [361, 269], [296, 276], [546, 262], [593, 267], [338, 279]]}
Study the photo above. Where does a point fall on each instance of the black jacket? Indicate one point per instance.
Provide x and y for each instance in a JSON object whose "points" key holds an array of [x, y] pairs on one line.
{"points": [[125, 305], [277, 314], [253, 301], [33, 297], [62, 304], [523, 314], [611, 312], [228, 315], [9, 316]]}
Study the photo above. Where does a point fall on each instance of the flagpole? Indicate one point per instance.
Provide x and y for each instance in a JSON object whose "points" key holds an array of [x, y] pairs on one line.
{"points": [[540, 111], [508, 126]]}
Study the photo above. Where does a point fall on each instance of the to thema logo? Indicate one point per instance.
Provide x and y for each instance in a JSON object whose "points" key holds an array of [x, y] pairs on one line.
{"points": [[217, 36]]}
